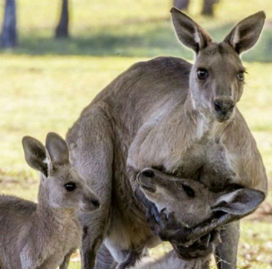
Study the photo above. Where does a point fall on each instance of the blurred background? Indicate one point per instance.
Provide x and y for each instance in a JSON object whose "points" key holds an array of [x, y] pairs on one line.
{"points": [[57, 55]]}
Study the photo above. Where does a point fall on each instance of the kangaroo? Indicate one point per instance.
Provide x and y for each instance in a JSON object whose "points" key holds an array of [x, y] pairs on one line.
{"points": [[44, 235], [176, 116], [189, 203]]}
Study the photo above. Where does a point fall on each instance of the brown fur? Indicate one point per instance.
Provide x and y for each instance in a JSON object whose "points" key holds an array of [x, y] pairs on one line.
{"points": [[158, 114]]}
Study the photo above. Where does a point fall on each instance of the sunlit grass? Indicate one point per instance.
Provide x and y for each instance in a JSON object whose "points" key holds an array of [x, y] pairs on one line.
{"points": [[47, 91], [41, 94], [127, 28]]}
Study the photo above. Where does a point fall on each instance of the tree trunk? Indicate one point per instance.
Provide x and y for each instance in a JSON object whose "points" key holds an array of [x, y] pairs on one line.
{"points": [[208, 7], [181, 4], [62, 30], [9, 32]]}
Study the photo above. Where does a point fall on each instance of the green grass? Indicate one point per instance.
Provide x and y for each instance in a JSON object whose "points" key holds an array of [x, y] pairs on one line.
{"points": [[44, 83], [44, 93], [127, 28]]}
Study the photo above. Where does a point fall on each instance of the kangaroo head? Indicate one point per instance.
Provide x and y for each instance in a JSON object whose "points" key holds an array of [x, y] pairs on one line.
{"points": [[61, 185], [192, 202], [217, 75]]}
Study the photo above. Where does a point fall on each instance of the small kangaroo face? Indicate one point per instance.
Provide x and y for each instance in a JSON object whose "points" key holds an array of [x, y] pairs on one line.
{"points": [[192, 202], [61, 185], [188, 199], [66, 189]]}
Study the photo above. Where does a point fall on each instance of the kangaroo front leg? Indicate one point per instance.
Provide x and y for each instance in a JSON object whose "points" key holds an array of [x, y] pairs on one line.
{"points": [[95, 224], [104, 259], [91, 145], [226, 251], [93, 235]]}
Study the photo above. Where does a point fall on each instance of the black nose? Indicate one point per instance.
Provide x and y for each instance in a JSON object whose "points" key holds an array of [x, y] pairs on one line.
{"points": [[223, 106], [95, 202], [148, 173]]}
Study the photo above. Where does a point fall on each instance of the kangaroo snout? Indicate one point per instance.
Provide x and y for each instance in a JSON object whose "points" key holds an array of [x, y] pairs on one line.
{"points": [[223, 109], [95, 203], [90, 202]]}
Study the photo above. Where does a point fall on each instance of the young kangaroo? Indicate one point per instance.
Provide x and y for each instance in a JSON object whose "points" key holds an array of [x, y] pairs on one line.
{"points": [[45, 234], [182, 205], [187, 203]]}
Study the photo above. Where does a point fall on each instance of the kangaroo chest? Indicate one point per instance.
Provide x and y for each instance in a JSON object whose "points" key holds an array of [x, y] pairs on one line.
{"points": [[69, 239], [207, 161], [185, 147]]}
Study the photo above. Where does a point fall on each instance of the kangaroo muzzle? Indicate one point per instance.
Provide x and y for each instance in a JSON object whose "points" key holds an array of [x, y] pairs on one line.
{"points": [[223, 109], [90, 201]]}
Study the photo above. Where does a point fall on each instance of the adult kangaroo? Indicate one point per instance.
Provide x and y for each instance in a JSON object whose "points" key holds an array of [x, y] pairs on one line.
{"points": [[178, 117]]}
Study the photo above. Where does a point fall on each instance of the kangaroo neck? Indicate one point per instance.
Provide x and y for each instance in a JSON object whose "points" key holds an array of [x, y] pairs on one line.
{"points": [[204, 122], [51, 218]]}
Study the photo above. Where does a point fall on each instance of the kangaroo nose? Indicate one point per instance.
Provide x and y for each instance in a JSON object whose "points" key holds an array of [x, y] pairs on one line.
{"points": [[95, 203], [223, 106]]}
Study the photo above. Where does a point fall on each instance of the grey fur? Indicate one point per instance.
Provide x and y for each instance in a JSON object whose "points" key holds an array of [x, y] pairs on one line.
{"points": [[45, 234], [172, 261], [170, 194], [158, 114]]}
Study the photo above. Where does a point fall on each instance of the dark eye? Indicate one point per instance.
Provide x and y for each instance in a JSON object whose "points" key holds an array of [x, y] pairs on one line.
{"points": [[241, 76], [70, 186], [189, 191], [202, 73]]}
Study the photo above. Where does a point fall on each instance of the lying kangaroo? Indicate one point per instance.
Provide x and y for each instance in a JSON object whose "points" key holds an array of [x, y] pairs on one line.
{"points": [[189, 203], [44, 235], [170, 114]]}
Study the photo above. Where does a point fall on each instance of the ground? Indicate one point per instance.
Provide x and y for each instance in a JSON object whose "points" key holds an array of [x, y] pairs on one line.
{"points": [[44, 84]]}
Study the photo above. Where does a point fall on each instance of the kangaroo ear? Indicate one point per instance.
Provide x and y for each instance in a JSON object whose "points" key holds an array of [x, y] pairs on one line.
{"points": [[35, 154], [240, 202], [246, 33], [189, 32], [57, 149]]}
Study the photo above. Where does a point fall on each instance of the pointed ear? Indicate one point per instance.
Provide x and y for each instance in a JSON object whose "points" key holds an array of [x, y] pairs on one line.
{"points": [[57, 149], [246, 33], [35, 154], [189, 32], [240, 202]]}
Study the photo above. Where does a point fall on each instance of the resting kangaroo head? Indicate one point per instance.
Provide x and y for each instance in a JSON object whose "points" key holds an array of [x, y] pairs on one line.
{"points": [[217, 75], [61, 186], [191, 202]]}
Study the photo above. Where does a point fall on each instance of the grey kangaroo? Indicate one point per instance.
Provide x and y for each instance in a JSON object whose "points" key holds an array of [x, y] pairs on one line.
{"points": [[176, 116], [44, 235], [189, 203]]}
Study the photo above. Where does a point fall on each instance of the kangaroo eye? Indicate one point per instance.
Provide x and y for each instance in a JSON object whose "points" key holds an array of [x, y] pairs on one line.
{"points": [[189, 191], [241, 76], [70, 186], [202, 73]]}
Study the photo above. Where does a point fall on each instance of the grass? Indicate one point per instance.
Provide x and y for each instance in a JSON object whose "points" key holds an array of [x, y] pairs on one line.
{"points": [[127, 28], [46, 83]]}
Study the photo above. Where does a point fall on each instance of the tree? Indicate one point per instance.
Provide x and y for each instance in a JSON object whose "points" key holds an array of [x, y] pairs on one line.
{"points": [[208, 7], [9, 31], [62, 29], [181, 4]]}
